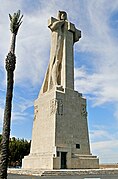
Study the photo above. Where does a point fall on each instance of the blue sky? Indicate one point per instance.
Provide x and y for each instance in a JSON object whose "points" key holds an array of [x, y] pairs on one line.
{"points": [[96, 65]]}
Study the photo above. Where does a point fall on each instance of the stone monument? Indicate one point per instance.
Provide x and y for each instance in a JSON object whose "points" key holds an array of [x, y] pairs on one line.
{"points": [[60, 137]]}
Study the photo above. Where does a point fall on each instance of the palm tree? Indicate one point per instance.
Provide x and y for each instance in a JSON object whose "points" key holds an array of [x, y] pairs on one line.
{"points": [[15, 22]]}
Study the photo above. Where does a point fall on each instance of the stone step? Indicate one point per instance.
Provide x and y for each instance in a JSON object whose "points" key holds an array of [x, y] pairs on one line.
{"points": [[66, 172], [78, 172], [21, 171]]}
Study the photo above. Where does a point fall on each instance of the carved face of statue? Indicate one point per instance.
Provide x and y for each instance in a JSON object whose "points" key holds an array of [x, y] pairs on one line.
{"points": [[62, 15]]}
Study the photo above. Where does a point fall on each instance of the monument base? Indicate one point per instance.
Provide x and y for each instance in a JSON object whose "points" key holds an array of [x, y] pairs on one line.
{"points": [[36, 161], [85, 162], [60, 137], [49, 163]]}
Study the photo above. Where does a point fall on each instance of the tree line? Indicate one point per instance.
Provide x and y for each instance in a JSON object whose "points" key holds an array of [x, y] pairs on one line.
{"points": [[18, 148]]}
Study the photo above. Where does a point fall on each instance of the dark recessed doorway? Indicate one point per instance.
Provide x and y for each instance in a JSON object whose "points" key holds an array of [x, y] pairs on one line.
{"points": [[63, 160]]}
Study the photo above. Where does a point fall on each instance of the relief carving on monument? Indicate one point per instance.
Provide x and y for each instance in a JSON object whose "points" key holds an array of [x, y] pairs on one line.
{"points": [[83, 110], [53, 106], [60, 107], [56, 107], [35, 111]]}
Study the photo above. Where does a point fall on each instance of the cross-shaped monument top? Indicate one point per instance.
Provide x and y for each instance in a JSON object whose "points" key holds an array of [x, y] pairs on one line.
{"points": [[70, 26], [60, 71]]}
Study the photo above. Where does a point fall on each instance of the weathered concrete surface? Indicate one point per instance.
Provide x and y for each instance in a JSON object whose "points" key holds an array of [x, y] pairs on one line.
{"points": [[106, 171], [114, 176]]}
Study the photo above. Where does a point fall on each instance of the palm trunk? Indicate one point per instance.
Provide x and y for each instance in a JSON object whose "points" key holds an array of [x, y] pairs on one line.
{"points": [[12, 46], [10, 67]]}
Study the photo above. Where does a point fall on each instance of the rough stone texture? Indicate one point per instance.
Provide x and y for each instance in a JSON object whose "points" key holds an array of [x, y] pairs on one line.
{"points": [[60, 123], [60, 131], [107, 171]]}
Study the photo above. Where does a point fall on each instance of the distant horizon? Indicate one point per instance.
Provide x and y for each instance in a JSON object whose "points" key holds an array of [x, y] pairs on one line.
{"points": [[95, 65]]}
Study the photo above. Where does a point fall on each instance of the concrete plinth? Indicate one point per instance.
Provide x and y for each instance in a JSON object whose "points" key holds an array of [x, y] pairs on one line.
{"points": [[60, 132]]}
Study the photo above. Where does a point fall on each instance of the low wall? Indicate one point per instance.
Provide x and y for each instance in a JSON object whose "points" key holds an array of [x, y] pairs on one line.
{"points": [[109, 165]]}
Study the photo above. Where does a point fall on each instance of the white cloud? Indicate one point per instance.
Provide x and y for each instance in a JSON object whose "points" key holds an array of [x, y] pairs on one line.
{"points": [[104, 143], [100, 135], [33, 42], [102, 86], [100, 41], [32, 47], [97, 80], [116, 112], [106, 151], [17, 117], [21, 104]]}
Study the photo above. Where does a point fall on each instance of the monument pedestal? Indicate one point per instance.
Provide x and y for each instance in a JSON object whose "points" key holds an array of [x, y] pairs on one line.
{"points": [[60, 132]]}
